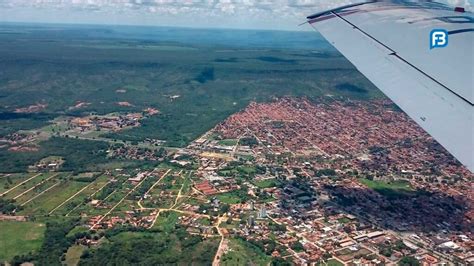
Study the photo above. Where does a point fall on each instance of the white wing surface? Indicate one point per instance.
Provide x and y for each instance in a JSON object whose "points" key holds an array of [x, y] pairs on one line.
{"points": [[389, 42]]}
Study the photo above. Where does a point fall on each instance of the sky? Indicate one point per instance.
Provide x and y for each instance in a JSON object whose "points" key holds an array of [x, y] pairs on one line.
{"points": [[244, 14]]}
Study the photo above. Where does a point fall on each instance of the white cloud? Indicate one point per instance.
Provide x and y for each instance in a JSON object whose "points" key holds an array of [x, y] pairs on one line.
{"points": [[284, 14]]}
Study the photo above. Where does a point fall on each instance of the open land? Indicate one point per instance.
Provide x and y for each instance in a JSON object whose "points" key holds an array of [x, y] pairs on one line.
{"points": [[17, 238]]}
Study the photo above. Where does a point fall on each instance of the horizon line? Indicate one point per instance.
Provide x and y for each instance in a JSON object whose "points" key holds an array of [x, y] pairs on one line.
{"points": [[155, 26]]}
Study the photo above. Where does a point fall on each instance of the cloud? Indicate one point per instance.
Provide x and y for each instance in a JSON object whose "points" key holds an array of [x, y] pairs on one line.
{"points": [[283, 14]]}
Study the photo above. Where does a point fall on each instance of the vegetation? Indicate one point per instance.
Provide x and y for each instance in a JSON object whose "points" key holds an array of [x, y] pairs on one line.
{"points": [[53, 247], [393, 189], [331, 262], [325, 172], [19, 238], [249, 141], [267, 183], [107, 190], [167, 221], [244, 253], [228, 142], [194, 83], [233, 197], [78, 154], [145, 248], [7, 206], [297, 246], [409, 261], [49, 201], [74, 254]]}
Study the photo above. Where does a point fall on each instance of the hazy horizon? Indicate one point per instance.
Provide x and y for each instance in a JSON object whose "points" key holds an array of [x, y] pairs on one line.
{"points": [[229, 14]]}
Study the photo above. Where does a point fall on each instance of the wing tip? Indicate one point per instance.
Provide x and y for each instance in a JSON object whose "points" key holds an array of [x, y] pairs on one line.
{"points": [[337, 9]]}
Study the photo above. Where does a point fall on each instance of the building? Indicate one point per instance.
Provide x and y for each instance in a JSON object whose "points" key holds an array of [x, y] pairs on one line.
{"points": [[251, 220]]}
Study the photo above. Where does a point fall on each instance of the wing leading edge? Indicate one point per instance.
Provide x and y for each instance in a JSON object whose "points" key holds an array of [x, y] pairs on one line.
{"points": [[389, 43]]}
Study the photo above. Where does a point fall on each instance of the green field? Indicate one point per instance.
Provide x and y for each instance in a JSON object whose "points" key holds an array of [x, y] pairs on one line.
{"points": [[25, 186], [393, 189], [82, 198], [49, 201], [244, 253], [232, 197], [166, 221], [228, 142], [19, 238], [73, 255], [331, 263], [9, 181], [267, 183], [36, 190]]}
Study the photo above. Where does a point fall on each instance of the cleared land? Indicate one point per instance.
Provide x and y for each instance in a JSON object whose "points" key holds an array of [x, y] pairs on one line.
{"points": [[9, 181], [47, 202], [73, 255], [393, 189], [19, 238], [244, 253], [167, 221]]}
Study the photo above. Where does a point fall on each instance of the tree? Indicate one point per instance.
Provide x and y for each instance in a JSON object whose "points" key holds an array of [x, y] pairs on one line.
{"points": [[408, 261], [297, 246], [280, 262], [225, 208], [327, 256]]}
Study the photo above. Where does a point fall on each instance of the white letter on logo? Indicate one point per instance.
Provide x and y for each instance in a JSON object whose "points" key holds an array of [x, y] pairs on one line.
{"points": [[439, 38]]}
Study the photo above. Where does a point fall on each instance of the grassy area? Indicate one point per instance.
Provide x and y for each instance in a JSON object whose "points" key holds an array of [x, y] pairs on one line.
{"points": [[267, 183], [167, 221], [36, 190], [244, 253], [186, 184], [349, 254], [228, 142], [35, 180], [397, 185], [344, 220], [247, 170], [331, 263], [73, 255], [229, 198], [80, 199], [53, 198], [394, 189], [10, 181], [19, 238], [143, 248]]}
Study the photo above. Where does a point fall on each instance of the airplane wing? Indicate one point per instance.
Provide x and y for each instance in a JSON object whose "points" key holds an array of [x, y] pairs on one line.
{"points": [[389, 42]]}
